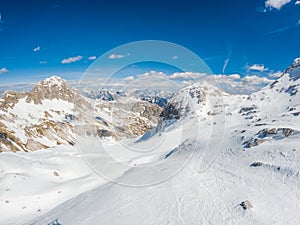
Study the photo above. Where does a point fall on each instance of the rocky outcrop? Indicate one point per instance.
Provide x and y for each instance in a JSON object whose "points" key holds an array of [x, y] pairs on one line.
{"points": [[170, 112], [273, 131], [267, 134], [257, 164], [246, 205], [127, 119], [253, 142]]}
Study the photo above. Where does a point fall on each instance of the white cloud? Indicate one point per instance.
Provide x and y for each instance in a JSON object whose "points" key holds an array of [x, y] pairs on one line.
{"points": [[231, 83], [118, 56], [275, 74], [258, 67], [92, 58], [256, 80], [130, 78], [43, 62], [71, 59], [175, 57], [236, 84], [234, 76], [38, 48], [187, 75], [235, 79], [152, 74], [297, 2], [187, 82], [174, 76], [276, 4], [3, 70]]}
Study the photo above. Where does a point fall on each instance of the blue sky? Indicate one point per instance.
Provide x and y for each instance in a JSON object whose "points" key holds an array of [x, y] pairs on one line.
{"points": [[231, 36]]}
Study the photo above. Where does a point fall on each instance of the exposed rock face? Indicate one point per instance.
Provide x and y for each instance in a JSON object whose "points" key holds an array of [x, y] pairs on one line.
{"points": [[160, 101], [287, 131], [127, 119], [266, 134], [253, 142], [248, 110], [246, 205], [147, 110], [170, 112], [8, 140], [257, 164], [50, 88], [273, 131], [34, 145], [103, 94], [9, 99]]}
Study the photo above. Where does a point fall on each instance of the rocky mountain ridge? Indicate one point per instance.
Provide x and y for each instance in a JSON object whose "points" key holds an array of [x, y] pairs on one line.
{"points": [[52, 114]]}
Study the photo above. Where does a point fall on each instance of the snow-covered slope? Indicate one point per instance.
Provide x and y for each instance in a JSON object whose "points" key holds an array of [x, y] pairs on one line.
{"points": [[210, 152]]}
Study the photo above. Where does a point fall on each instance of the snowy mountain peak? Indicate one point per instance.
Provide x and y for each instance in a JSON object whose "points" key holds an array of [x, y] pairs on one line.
{"points": [[296, 62], [53, 81], [51, 88], [205, 87], [197, 99], [294, 70]]}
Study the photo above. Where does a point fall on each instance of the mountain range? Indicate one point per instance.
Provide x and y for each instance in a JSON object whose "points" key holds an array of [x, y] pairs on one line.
{"points": [[202, 157]]}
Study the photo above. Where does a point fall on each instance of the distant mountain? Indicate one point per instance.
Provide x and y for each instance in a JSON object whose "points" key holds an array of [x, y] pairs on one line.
{"points": [[157, 97], [37, 119], [103, 94], [48, 115]]}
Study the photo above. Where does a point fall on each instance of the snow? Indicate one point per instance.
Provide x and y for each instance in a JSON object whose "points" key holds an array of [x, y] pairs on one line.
{"points": [[33, 112], [28, 183], [194, 170]]}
